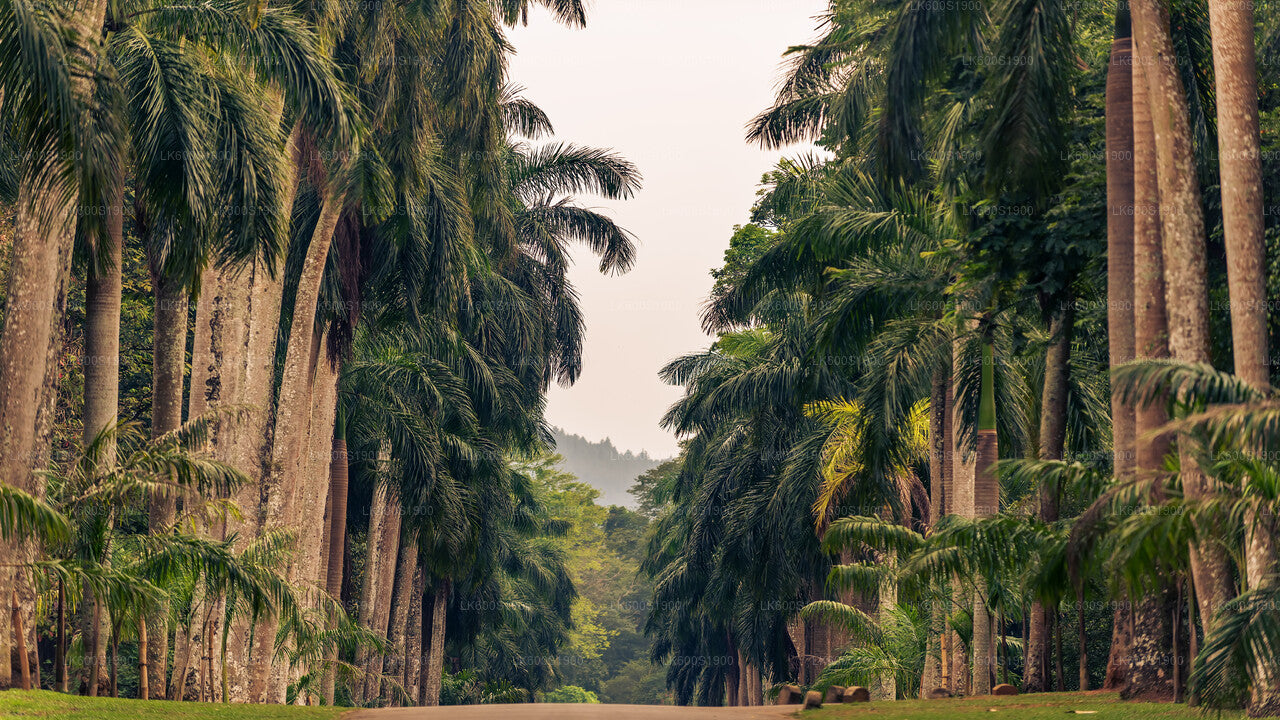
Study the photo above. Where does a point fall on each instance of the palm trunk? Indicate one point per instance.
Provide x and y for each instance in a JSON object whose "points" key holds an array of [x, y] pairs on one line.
{"points": [[380, 566], [31, 342], [731, 676], [1240, 170], [433, 676], [169, 347], [1120, 290], [1081, 640], [412, 679], [284, 498], [1053, 432], [338, 482], [986, 501], [103, 293], [60, 652], [959, 502], [397, 633], [932, 676], [378, 513], [144, 680], [1149, 628], [1186, 289], [20, 642], [886, 687], [237, 321]]}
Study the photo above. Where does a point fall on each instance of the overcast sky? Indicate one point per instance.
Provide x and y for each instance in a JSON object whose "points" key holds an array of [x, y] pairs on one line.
{"points": [[670, 85]]}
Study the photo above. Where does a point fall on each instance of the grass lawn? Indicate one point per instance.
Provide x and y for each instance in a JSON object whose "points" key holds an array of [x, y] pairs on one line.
{"points": [[46, 704], [1043, 706]]}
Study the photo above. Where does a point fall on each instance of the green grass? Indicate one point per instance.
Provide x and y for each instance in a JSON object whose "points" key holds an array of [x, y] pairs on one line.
{"points": [[1041, 706], [45, 704]]}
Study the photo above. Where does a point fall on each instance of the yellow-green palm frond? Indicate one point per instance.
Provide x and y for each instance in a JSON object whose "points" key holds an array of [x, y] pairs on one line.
{"points": [[845, 459]]}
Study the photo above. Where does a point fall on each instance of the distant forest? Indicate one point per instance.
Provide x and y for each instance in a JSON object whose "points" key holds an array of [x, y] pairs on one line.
{"points": [[603, 466]]}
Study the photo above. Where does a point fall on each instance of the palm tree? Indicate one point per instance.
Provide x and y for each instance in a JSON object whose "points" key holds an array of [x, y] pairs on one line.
{"points": [[1184, 238], [52, 59]]}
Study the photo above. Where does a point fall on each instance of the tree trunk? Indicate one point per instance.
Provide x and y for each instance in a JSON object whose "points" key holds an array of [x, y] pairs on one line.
{"points": [[1121, 645], [233, 361], [338, 482], [933, 675], [1186, 290], [986, 503], [285, 499], [886, 685], [433, 676], [20, 642], [1053, 433], [731, 677], [169, 349], [960, 498], [103, 293], [1240, 168], [1120, 288], [384, 550], [397, 633], [1082, 661], [412, 679], [378, 514], [60, 652], [1147, 675], [144, 690], [35, 297]]}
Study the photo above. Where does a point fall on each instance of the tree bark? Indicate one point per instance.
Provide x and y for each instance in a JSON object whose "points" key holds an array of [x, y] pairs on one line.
{"points": [[380, 569], [1120, 291], [397, 633], [986, 503], [338, 485], [1231, 23], [285, 499], [169, 351], [932, 675], [412, 679], [731, 677], [1053, 433], [35, 302], [144, 690], [960, 502], [1186, 289], [1147, 675], [433, 676], [103, 292]]}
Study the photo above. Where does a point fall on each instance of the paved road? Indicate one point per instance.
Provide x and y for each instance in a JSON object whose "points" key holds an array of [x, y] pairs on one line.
{"points": [[558, 711]]}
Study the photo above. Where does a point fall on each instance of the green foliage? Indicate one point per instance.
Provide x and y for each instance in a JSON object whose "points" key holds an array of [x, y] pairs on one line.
{"points": [[570, 694]]}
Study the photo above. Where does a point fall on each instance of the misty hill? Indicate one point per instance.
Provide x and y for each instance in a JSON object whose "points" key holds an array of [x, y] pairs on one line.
{"points": [[601, 465]]}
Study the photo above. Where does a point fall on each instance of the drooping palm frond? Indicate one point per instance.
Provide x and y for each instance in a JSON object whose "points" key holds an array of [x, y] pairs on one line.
{"points": [[1245, 639], [26, 517]]}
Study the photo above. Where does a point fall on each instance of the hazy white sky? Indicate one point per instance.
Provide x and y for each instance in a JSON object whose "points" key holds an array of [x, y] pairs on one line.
{"points": [[670, 85]]}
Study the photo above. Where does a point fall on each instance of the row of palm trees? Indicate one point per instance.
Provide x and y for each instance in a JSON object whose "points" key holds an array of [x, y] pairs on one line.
{"points": [[348, 220], [897, 464]]}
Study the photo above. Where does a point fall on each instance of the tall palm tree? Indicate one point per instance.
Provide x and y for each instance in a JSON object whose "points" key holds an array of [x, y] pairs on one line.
{"points": [[1182, 220], [50, 70]]}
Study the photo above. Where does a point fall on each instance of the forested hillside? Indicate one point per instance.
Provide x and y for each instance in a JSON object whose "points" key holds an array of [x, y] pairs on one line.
{"points": [[602, 466]]}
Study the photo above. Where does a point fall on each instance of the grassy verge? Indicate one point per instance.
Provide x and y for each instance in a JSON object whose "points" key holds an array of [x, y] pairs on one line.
{"points": [[1097, 705], [16, 704]]}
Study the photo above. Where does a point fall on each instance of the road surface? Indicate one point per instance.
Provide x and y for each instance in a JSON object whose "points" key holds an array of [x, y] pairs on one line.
{"points": [[560, 711]]}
